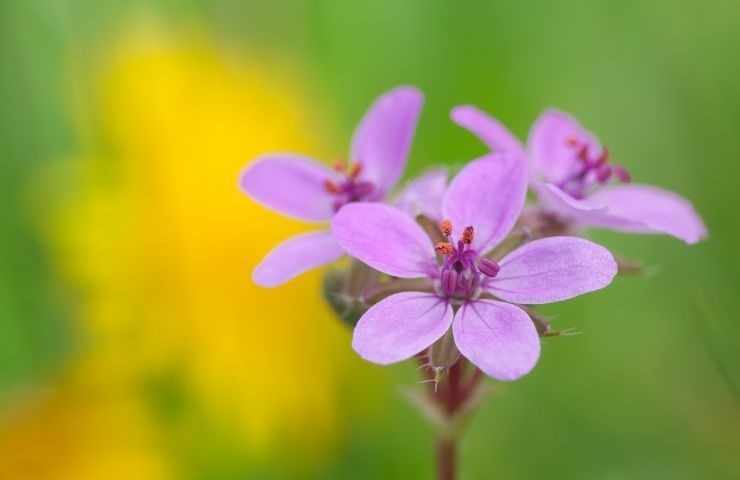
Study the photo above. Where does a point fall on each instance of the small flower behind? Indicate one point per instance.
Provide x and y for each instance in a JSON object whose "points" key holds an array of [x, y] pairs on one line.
{"points": [[576, 182], [303, 188], [467, 292]]}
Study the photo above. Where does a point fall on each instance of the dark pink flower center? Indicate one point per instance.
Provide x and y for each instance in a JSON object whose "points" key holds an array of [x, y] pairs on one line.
{"points": [[349, 188], [462, 269], [592, 169]]}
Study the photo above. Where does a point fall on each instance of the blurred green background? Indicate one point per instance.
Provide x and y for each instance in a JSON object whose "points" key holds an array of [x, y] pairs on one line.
{"points": [[132, 342]]}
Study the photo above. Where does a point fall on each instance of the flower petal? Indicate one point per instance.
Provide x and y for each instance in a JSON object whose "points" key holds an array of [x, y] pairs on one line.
{"points": [[555, 200], [382, 141], [384, 238], [552, 269], [550, 153], [423, 195], [400, 326], [295, 256], [489, 130], [290, 184], [643, 208], [499, 338], [489, 195]]}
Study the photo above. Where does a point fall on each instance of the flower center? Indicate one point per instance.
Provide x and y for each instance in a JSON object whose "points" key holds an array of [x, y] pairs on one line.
{"points": [[349, 188], [462, 270], [593, 169]]}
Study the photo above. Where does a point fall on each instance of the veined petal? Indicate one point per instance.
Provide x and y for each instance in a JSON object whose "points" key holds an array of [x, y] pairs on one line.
{"points": [[644, 208], [499, 338], [383, 139], [384, 238], [552, 269], [423, 195], [488, 194], [400, 326], [290, 184], [550, 152], [489, 130], [295, 256]]}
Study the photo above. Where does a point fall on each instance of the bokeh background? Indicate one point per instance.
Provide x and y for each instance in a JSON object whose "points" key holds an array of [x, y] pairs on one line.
{"points": [[133, 344]]}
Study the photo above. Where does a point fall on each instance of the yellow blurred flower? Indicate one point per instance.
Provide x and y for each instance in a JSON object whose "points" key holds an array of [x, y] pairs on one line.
{"points": [[159, 244]]}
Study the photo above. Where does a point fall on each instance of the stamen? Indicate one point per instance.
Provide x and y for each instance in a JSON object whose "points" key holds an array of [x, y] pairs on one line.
{"points": [[571, 141], [622, 174], [361, 189], [443, 248], [338, 166], [603, 174], [446, 228], [331, 187], [468, 235], [488, 267], [355, 170], [604, 157], [449, 281]]}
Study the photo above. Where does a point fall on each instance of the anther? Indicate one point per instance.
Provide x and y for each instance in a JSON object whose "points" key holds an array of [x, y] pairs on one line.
{"points": [[331, 186], [443, 248], [621, 173], [571, 141], [488, 267], [338, 166], [446, 228], [449, 281], [355, 170], [468, 235], [604, 157]]}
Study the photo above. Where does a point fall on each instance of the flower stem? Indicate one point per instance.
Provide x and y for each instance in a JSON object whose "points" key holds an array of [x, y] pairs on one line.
{"points": [[457, 397], [446, 459]]}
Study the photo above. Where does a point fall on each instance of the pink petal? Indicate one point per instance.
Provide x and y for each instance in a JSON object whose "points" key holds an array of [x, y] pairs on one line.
{"points": [[384, 238], [555, 200], [489, 195], [401, 326], [489, 130], [423, 196], [552, 269], [290, 184], [295, 256], [382, 141], [643, 208], [550, 153], [499, 338]]}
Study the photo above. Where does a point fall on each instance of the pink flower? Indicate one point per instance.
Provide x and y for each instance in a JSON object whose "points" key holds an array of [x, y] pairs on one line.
{"points": [[479, 208], [423, 195], [571, 173], [305, 189]]}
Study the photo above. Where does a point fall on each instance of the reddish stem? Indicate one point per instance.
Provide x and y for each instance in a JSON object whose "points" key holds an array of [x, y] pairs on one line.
{"points": [[451, 396], [446, 459]]}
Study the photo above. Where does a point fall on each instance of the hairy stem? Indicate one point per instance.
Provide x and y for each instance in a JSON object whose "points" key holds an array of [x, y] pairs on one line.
{"points": [[457, 396]]}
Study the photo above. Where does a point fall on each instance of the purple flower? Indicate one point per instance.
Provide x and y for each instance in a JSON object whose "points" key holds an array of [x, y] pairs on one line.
{"points": [[479, 208], [423, 195], [305, 189], [573, 177]]}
